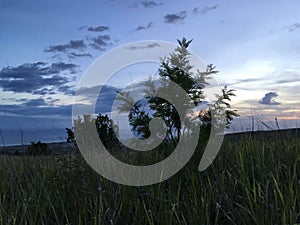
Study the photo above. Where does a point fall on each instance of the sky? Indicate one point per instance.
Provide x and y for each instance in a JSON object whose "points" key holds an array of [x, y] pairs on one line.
{"points": [[46, 46]]}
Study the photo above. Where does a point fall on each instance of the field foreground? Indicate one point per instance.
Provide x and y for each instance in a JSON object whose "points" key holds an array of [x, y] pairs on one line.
{"points": [[254, 180]]}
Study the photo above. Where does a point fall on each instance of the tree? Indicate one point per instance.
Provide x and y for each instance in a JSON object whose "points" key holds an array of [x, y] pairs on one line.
{"points": [[106, 129], [175, 68]]}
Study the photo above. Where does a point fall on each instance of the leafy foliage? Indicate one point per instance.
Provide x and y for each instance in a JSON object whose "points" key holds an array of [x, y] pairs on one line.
{"points": [[177, 69], [106, 129]]}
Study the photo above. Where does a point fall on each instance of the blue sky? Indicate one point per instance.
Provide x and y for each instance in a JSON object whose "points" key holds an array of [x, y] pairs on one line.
{"points": [[47, 45]]}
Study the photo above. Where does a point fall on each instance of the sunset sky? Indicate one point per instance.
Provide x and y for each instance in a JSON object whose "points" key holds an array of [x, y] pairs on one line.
{"points": [[47, 45]]}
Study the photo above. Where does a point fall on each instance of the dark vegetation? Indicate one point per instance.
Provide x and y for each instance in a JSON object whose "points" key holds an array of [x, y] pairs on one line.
{"points": [[38, 148], [176, 68], [254, 180]]}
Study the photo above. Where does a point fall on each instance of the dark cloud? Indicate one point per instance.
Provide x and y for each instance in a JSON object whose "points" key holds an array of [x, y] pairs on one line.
{"points": [[57, 57], [66, 89], [105, 98], [143, 28], [56, 68], [152, 45], [77, 44], [242, 81], [36, 78], [82, 27], [36, 107], [145, 4], [51, 100], [100, 42], [73, 55], [151, 4], [174, 18], [89, 92], [98, 28], [268, 99], [294, 27], [44, 91], [35, 102], [204, 10]]}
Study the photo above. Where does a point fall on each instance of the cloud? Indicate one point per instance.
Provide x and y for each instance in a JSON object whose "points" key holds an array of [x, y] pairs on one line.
{"points": [[77, 44], [56, 68], [36, 78], [36, 107], [151, 4], [242, 81], [82, 28], [174, 18], [44, 91], [294, 27], [291, 78], [98, 29], [66, 89], [143, 28], [145, 4], [204, 10], [105, 98], [73, 55], [268, 99], [152, 45], [35, 102], [100, 42]]}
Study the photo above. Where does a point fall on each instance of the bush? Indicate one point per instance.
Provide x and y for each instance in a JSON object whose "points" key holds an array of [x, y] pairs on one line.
{"points": [[38, 148]]}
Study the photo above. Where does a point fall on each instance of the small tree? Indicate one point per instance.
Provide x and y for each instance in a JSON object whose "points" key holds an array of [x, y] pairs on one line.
{"points": [[175, 68], [107, 131], [38, 148]]}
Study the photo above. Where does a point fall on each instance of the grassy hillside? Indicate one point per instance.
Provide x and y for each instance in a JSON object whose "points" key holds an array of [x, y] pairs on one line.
{"points": [[254, 180]]}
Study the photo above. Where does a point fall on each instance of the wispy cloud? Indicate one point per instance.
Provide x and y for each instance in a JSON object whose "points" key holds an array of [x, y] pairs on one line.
{"points": [[35, 102], [105, 98], [151, 4], [98, 28], [82, 27], [242, 81], [152, 45], [46, 106], [175, 17], [37, 107], [145, 4], [73, 55], [294, 27], [204, 10], [37, 78], [268, 99], [149, 25], [101, 42], [73, 44]]}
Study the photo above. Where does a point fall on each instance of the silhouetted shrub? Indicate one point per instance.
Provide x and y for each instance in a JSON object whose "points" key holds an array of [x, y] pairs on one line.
{"points": [[38, 148]]}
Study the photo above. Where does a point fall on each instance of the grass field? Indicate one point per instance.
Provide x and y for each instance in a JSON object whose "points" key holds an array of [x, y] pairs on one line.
{"points": [[254, 180]]}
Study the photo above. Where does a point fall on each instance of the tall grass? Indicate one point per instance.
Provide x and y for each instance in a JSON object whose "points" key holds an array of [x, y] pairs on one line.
{"points": [[254, 180]]}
